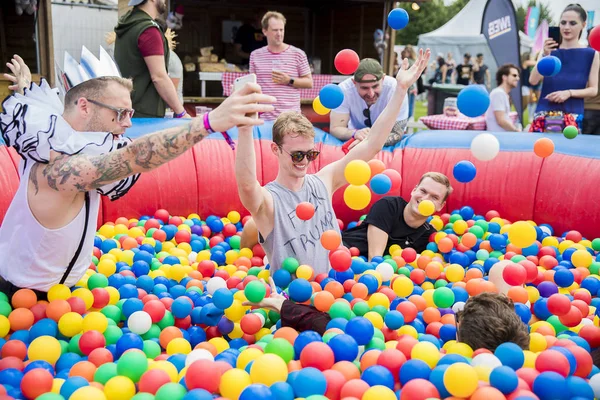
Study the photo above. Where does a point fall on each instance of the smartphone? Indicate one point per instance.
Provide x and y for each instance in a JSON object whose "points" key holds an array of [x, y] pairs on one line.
{"points": [[240, 82], [554, 34]]}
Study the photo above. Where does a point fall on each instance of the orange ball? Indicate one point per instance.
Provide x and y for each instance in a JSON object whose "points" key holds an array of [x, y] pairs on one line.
{"points": [[24, 298], [445, 245], [208, 346], [487, 393], [121, 221], [294, 365], [57, 308], [287, 333], [418, 301], [433, 270], [377, 166], [423, 261], [473, 273], [473, 286], [369, 358], [354, 389], [14, 348], [360, 291], [85, 369], [543, 147], [431, 314], [331, 240], [485, 245], [129, 243], [348, 369], [469, 240], [20, 318], [335, 288], [323, 300], [168, 334], [518, 294], [448, 319]]}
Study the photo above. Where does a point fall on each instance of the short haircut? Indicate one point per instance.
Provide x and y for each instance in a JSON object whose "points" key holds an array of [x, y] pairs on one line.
{"points": [[94, 89], [271, 14], [293, 124], [488, 320], [479, 54], [503, 71], [439, 178]]}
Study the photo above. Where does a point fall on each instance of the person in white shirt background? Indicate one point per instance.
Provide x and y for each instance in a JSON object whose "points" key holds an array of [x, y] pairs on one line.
{"points": [[497, 115], [365, 96]]}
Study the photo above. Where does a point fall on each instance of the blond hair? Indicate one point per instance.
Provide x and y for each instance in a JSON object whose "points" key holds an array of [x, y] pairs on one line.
{"points": [[291, 123], [439, 178], [94, 89], [271, 14]]}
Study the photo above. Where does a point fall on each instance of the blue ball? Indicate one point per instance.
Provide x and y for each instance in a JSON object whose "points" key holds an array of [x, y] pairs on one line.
{"points": [[414, 369], [303, 339], [339, 323], [467, 213], [216, 225], [11, 376], [394, 320], [128, 291], [71, 385], [550, 385], [300, 290], [579, 387], [44, 327], [282, 278], [282, 391], [344, 347], [223, 298], [511, 355], [464, 171], [378, 375], [140, 268], [257, 391], [398, 18], [370, 282], [129, 341], [331, 96], [309, 381], [452, 359], [131, 305], [447, 332], [437, 378], [198, 394], [181, 307], [381, 184], [564, 278], [218, 257], [143, 256], [66, 361], [473, 101], [361, 329], [549, 66], [108, 245], [504, 379], [523, 312], [39, 364]]}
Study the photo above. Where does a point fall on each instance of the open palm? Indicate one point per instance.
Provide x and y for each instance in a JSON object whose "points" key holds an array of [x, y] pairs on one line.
{"points": [[407, 76], [20, 77], [273, 302]]}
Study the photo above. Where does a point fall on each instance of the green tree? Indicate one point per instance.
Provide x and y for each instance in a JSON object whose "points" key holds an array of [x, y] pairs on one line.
{"points": [[545, 13], [429, 17]]}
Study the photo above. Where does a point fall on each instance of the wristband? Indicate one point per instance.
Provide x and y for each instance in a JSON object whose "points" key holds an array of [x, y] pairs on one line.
{"points": [[207, 124], [354, 133], [179, 115], [209, 129]]}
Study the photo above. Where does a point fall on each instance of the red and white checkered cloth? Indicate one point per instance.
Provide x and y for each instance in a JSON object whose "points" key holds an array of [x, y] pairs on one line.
{"points": [[461, 123], [318, 82]]}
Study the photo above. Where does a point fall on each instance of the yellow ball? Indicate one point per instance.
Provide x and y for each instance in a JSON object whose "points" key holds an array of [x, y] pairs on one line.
{"points": [[460, 380], [460, 227], [45, 348], [565, 245], [179, 346], [455, 273], [522, 234], [537, 342], [135, 232], [483, 372], [357, 172], [237, 331], [231, 256], [126, 256], [114, 294], [203, 255], [262, 333], [437, 223], [319, 108], [264, 274], [268, 369], [107, 231], [70, 324], [246, 252], [235, 311], [246, 356], [177, 272], [379, 392], [220, 344], [56, 385], [375, 318], [379, 299], [426, 208], [304, 272], [119, 388], [234, 217], [233, 382], [533, 294], [530, 358], [167, 367], [581, 258], [59, 292], [427, 352], [88, 393], [357, 197], [121, 229], [106, 267], [95, 321], [536, 325], [550, 241], [408, 330], [460, 348], [85, 295]]}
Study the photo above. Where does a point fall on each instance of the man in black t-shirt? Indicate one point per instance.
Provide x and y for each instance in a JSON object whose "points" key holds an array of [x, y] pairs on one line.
{"points": [[464, 71], [394, 221], [481, 72], [249, 37]]}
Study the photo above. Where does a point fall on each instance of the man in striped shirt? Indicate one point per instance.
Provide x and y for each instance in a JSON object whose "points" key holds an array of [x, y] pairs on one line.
{"points": [[281, 69]]}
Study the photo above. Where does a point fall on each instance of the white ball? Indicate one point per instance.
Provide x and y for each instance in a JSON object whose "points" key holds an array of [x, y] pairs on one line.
{"points": [[198, 354], [595, 384], [458, 306], [486, 359], [139, 322], [385, 270], [261, 317], [215, 284], [495, 276], [485, 147], [192, 257]]}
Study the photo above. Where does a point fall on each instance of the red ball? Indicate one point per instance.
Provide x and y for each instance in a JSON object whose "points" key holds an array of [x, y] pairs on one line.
{"points": [[340, 260], [491, 214], [229, 230], [258, 251], [419, 389], [250, 323], [206, 232], [582, 306], [392, 359], [340, 224], [317, 355], [183, 236], [101, 297], [409, 254], [151, 223], [257, 261], [206, 268], [14, 348], [305, 210], [36, 382], [594, 38], [552, 360], [203, 374], [156, 309], [572, 318], [574, 236], [584, 361], [346, 61], [175, 221], [183, 323], [335, 382], [559, 304], [152, 380], [90, 341], [528, 375], [514, 274], [100, 356], [77, 305], [530, 269], [406, 343], [39, 311], [582, 295], [159, 235], [162, 214], [396, 179], [215, 240], [11, 362], [408, 310]]}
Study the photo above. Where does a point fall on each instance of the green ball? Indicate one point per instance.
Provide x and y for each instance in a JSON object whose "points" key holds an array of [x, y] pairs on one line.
{"points": [[267, 338], [381, 310], [317, 397], [97, 281], [5, 308], [74, 345], [595, 268], [155, 265], [95, 260], [282, 348], [254, 271], [440, 283], [150, 232], [375, 343], [170, 391], [361, 308], [340, 310], [482, 255], [234, 242], [119, 236], [274, 317], [255, 291], [112, 334], [443, 297], [517, 258], [111, 322], [143, 396], [290, 264], [132, 365], [378, 334], [327, 337], [141, 223], [483, 224], [64, 346], [105, 372], [455, 217], [50, 396], [404, 271], [151, 349], [362, 217], [596, 244], [393, 263], [570, 132], [496, 254], [558, 326], [262, 344], [167, 320], [477, 230]]}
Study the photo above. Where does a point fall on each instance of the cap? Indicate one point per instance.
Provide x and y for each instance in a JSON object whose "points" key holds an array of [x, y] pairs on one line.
{"points": [[368, 66], [135, 2]]}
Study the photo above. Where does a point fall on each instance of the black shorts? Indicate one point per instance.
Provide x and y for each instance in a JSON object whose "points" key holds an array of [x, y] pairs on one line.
{"points": [[9, 289]]}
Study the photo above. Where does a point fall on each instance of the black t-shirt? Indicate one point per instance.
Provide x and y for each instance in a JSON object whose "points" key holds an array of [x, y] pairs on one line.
{"points": [[387, 214], [250, 38], [463, 74], [479, 76]]}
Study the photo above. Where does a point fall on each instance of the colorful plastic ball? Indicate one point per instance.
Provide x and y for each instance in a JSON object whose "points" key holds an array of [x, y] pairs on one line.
{"points": [[132, 365], [550, 385], [255, 291], [233, 382], [485, 147], [543, 147], [443, 297], [510, 354], [398, 18], [473, 101], [426, 208], [379, 392], [257, 391], [331, 96], [36, 382], [504, 379], [514, 274], [344, 347], [522, 234], [378, 375], [300, 290], [88, 393], [357, 197], [282, 348], [549, 66], [570, 132], [305, 210], [460, 380], [464, 171], [331, 240], [414, 369], [380, 184], [357, 172], [419, 389], [268, 369], [319, 108], [346, 61], [427, 352], [119, 388], [171, 391], [308, 382], [361, 329], [44, 348]]}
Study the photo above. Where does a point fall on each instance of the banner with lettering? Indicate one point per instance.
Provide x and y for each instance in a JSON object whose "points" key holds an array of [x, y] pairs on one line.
{"points": [[499, 26], [531, 21]]}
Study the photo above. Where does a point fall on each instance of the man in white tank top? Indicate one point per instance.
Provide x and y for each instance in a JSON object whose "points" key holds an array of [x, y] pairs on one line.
{"points": [[293, 144], [70, 159]]}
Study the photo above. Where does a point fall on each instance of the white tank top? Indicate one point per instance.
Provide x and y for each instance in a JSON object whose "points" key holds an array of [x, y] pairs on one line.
{"points": [[36, 257]]}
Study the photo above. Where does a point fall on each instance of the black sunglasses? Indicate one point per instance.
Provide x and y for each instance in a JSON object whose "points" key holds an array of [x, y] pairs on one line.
{"points": [[298, 156], [367, 115], [121, 112]]}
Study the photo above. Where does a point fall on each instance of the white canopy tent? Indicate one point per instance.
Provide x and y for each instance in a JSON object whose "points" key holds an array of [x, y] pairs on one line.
{"points": [[462, 34]]}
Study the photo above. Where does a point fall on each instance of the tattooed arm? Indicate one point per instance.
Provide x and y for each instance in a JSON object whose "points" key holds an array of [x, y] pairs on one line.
{"points": [[396, 134]]}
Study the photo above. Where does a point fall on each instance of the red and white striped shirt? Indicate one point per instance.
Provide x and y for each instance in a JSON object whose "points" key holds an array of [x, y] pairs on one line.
{"points": [[293, 62]]}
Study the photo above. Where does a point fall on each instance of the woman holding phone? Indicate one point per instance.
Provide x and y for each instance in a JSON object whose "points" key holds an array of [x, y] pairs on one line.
{"points": [[562, 97]]}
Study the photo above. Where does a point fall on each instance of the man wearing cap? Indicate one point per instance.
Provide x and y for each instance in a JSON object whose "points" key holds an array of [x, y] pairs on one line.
{"points": [[365, 97], [142, 54]]}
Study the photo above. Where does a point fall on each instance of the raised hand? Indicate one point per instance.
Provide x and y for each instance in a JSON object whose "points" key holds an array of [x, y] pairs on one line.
{"points": [[273, 303], [407, 76], [21, 76]]}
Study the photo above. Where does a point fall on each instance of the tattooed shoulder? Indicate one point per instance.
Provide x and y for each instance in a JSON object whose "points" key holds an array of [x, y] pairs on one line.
{"points": [[33, 178]]}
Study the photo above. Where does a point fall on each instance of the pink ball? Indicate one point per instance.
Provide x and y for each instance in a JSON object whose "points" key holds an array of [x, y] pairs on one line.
{"points": [[419, 389], [559, 304], [552, 360], [346, 61], [514, 274], [90, 341], [162, 214], [317, 355]]}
